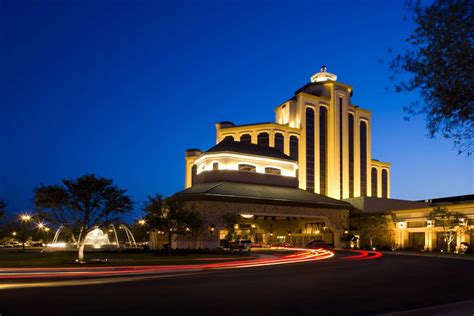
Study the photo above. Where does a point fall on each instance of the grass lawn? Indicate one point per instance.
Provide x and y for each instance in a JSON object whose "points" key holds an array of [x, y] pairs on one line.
{"points": [[35, 258]]}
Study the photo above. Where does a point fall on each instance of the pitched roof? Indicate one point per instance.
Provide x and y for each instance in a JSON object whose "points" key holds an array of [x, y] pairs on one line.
{"points": [[246, 148], [259, 193]]}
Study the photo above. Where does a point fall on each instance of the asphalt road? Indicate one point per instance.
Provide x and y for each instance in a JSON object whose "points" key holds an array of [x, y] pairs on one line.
{"points": [[328, 287]]}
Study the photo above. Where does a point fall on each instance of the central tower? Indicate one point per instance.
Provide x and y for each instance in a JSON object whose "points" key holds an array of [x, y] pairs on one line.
{"points": [[325, 133]]}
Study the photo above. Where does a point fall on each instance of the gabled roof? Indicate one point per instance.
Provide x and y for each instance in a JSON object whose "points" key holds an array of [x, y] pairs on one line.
{"points": [[246, 148], [258, 193]]}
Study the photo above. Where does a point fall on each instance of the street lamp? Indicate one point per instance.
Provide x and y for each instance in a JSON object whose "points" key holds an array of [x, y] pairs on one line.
{"points": [[212, 228], [142, 222], [25, 217]]}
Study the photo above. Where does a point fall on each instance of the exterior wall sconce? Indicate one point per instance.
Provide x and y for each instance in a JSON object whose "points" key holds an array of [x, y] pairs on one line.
{"points": [[254, 226], [429, 223], [271, 234], [236, 226], [212, 228], [289, 233], [401, 225]]}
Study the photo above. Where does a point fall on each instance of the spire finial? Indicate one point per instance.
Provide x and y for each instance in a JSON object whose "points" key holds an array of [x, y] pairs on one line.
{"points": [[323, 75]]}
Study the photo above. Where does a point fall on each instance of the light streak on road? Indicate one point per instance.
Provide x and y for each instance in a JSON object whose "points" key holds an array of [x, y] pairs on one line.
{"points": [[364, 255], [302, 255]]}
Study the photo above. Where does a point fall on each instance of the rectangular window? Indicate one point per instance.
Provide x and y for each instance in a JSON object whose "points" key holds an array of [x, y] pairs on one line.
{"points": [[363, 158], [323, 150], [351, 155], [417, 224], [248, 168], [270, 170], [310, 149], [340, 148]]}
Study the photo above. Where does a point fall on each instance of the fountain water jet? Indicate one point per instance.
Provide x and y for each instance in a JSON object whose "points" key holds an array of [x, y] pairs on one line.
{"points": [[97, 239]]}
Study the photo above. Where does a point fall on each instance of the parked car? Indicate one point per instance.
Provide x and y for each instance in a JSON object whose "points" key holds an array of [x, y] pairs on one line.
{"points": [[318, 244], [241, 244]]}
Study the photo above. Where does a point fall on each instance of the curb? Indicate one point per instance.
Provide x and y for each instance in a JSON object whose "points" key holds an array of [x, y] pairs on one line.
{"points": [[432, 255]]}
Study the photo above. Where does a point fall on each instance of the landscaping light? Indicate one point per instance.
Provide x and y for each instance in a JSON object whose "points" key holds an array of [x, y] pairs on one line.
{"points": [[188, 229], [47, 229]]}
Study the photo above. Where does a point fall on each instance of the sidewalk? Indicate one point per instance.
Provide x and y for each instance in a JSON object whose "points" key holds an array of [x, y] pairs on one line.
{"points": [[429, 254], [464, 308]]}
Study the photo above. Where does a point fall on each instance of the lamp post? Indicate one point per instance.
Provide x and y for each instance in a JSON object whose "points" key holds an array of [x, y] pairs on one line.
{"points": [[212, 229]]}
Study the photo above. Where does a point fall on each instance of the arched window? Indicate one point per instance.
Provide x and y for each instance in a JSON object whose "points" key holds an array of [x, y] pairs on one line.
{"points": [[279, 142], [246, 138], [294, 147], [374, 181], [271, 170], [215, 166], [229, 138], [263, 139], [323, 140], [248, 168], [384, 183], [363, 158], [310, 149]]}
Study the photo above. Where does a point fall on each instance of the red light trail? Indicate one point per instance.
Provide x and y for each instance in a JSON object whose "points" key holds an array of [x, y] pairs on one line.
{"points": [[303, 255]]}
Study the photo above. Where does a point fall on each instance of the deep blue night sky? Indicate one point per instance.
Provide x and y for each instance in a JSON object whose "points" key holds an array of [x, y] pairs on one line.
{"points": [[122, 88]]}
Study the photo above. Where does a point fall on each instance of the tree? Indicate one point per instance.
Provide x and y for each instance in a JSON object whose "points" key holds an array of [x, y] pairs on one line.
{"points": [[3, 205], [374, 228], [83, 204], [170, 216], [230, 220], [449, 223], [440, 66]]}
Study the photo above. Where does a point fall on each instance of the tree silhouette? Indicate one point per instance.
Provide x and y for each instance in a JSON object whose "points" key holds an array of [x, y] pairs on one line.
{"points": [[440, 67], [82, 204]]}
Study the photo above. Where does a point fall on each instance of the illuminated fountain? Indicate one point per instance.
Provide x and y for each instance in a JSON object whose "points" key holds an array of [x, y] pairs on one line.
{"points": [[100, 238]]}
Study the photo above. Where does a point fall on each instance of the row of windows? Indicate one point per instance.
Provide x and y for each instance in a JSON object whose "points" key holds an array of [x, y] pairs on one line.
{"points": [[241, 167], [263, 139], [384, 182]]}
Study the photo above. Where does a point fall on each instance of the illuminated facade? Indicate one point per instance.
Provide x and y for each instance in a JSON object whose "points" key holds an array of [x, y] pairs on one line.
{"points": [[411, 226], [327, 136]]}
